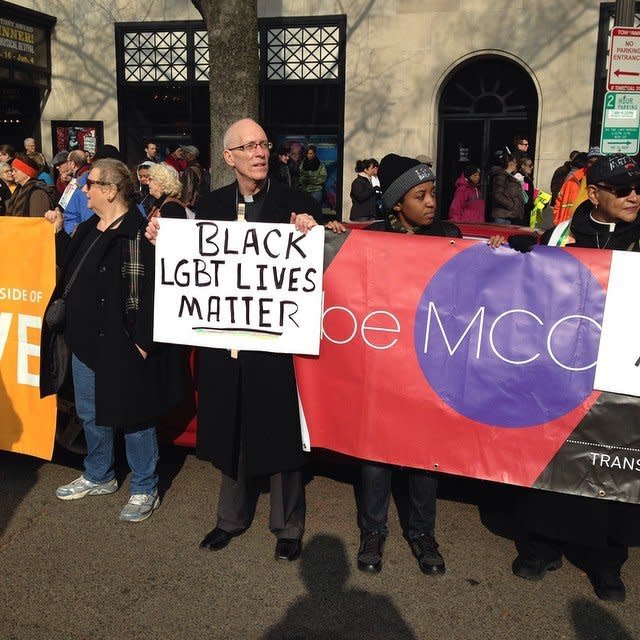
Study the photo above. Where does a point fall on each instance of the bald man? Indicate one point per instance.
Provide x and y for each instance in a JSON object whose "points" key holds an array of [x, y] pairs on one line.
{"points": [[248, 420]]}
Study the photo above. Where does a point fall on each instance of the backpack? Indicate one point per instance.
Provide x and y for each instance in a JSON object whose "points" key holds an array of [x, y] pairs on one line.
{"points": [[50, 190]]}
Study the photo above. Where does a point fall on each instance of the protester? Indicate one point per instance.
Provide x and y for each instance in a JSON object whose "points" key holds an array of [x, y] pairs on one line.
{"points": [[559, 176], [363, 194], [248, 418], [143, 197], [122, 379], [313, 174], [31, 197], [6, 176], [505, 192], [61, 170], [280, 166], [7, 153], [520, 146], [175, 158], [524, 175], [165, 189], [569, 197], [408, 192], [596, 532], [195, 179], [467, 204], [76, 205]]}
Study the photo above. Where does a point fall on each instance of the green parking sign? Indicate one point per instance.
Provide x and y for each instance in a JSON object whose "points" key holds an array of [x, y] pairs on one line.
{"points": [[620, 123]]}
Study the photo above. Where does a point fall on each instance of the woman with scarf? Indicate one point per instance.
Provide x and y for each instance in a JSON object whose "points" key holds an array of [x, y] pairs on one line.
{"points": [[313, 174], [121, 378]]}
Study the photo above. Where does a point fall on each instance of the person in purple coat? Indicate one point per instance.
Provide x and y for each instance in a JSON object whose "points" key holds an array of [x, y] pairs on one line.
{"points": [[467, 204]]}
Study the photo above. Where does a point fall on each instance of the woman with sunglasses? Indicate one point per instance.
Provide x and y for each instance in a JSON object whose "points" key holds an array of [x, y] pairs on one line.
{"points": [[593, 532], [121, 378]]}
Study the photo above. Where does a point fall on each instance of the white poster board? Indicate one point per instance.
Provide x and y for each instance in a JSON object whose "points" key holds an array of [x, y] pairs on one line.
{"points": [[238, 285], [618, 367]]}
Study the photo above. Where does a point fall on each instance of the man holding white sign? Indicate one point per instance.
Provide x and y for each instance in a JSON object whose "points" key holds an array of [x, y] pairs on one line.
{"points": [[248, 417]]}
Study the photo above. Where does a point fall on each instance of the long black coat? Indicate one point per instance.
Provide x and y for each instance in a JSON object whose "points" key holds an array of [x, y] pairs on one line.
{"points": [[363, 197], [577, 519], [250, 403], [130, 391]]}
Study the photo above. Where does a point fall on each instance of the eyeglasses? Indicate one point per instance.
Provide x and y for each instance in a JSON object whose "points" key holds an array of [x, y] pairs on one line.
{"points": [[252, 146], [91, 182], [620, 191]]}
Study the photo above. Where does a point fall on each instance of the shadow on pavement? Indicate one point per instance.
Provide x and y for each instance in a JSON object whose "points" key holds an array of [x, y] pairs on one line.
{"points": [[593, 622], [331, 612], [18, 472]]}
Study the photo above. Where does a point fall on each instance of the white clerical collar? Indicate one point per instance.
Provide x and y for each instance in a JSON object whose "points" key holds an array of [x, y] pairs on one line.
{"points": [[611, 225]]}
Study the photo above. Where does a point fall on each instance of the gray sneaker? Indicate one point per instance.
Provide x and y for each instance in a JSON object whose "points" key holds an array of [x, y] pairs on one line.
{"points": [[82, 487], [140, 507]]}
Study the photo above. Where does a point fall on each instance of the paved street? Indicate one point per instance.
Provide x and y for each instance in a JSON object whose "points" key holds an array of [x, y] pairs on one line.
{"points": [[72, 571]]}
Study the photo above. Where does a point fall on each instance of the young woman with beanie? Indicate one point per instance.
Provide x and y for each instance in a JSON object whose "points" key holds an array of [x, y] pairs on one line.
{"points": [[409, 197]]}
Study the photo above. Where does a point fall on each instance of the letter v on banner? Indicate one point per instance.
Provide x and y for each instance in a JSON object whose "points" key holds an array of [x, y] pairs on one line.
{"points": [[27, 264]]}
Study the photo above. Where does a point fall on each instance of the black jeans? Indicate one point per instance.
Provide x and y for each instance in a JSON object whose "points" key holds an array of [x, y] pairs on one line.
{"points": [[375, 492]]}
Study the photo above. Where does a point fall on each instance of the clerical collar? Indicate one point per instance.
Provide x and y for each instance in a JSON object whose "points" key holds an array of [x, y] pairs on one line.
{"points": [[611, 225], [256, 196]]}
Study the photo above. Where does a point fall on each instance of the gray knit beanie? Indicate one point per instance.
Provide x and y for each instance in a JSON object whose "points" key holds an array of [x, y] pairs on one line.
{"points": [[399, 174]]}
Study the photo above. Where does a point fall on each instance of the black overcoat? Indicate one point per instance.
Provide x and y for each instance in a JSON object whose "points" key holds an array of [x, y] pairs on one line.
{"points": [[587, 521], [250, 403], [130, 390]]}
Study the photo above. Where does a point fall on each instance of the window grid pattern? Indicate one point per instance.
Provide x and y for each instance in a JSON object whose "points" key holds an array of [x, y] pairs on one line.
{"points": [[303, 53], [155, 56], [201, 53]]}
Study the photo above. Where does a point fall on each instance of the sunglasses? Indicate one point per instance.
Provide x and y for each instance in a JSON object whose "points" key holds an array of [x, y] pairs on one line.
{"points": [[620, 191], [91, 182]]}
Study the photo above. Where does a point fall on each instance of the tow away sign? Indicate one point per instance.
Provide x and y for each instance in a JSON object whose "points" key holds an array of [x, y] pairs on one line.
{"points": [[624, 60]]}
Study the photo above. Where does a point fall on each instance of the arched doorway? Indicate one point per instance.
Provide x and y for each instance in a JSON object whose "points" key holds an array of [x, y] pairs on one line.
{"points": [[486, 101]]}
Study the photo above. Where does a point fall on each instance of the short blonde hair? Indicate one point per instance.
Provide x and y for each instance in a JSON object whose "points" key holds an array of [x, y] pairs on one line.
{"points": [[167, 177]]}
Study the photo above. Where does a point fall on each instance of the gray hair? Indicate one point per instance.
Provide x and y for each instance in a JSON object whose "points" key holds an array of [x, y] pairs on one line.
{"points": [[191, 150], [167, 177]]}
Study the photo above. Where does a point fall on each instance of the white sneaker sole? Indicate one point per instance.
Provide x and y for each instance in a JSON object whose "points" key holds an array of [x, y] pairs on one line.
{"points": [[96, 491]]}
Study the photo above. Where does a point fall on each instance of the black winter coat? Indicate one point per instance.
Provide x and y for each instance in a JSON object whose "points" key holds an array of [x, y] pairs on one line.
{"points": [[583, 520], [130, 390], [506, 196], [363, 197], [250, 403]]}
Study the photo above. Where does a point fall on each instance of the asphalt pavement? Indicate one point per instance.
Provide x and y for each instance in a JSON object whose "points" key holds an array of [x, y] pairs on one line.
{"points": [[72, 571]]}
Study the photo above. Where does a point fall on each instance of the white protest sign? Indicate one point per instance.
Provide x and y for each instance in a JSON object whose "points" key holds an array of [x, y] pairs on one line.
{"points": [[618, 367], [242, 286]]}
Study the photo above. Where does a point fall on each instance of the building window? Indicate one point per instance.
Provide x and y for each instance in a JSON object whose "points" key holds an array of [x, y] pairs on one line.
{"points": [[303, 53], [155, 56], [201, 52]]}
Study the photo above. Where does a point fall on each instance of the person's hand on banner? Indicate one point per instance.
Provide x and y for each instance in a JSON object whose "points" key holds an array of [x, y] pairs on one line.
{"points": [[56, 218], [495, 241], [151, 232], [335, 226], [303, 221]]}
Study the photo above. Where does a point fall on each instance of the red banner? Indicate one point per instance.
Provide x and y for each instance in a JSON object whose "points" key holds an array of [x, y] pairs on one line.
{"points": [[447, 355]]}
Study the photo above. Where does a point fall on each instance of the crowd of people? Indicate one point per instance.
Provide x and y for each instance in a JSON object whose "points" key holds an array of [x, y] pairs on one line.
{"points": [[106, 223]]}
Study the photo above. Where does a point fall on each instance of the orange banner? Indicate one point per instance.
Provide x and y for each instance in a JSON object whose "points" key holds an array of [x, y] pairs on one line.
{"points": [[27, 277]]}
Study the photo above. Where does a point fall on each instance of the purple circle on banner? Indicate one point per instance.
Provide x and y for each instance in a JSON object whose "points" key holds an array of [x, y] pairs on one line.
{"points": [[510, 339]]}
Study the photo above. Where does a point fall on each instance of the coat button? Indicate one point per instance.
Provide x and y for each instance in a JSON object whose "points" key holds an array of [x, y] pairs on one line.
{"points": [[102, 269], [101, 302], [101, 333]]}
